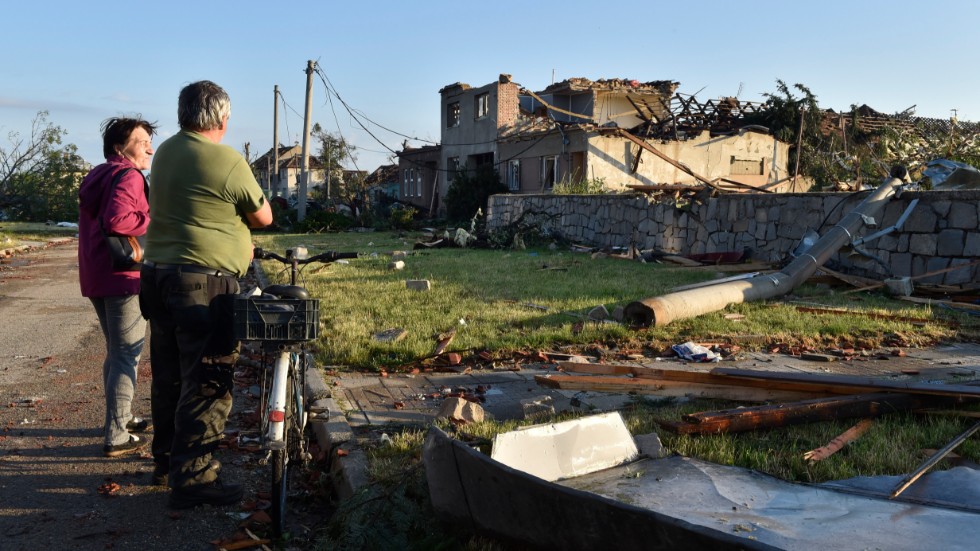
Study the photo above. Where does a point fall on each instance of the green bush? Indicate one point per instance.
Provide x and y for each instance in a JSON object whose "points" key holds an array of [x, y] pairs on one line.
{"points": [[323, 221], [470, 190], [403, 218], [582, 186]]}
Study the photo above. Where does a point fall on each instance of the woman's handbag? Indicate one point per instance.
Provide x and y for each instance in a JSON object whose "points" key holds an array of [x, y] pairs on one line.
{"points": [[126, 251]]}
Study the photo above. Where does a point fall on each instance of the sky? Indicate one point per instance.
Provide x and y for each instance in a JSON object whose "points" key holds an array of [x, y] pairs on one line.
{"points": [[83, 62]]}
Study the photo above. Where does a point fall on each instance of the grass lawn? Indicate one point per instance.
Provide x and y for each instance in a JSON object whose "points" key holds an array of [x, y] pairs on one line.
{"points": [[502, 301], [13, 234]]}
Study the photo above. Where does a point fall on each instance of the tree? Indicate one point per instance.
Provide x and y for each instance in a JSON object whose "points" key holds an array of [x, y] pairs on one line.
{"points": [[334, 152], [51, 192], [38, 176]]}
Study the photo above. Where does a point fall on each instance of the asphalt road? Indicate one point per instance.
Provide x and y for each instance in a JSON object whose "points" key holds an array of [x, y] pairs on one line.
{"points": [[57, 490]]}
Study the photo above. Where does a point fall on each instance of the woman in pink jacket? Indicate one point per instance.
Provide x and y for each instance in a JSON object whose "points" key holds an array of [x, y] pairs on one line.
{"points": [[121, 209]]}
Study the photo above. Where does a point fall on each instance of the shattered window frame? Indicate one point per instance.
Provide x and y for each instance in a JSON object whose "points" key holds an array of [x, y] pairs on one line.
{"points": [[514, 175], [452, 115], [746, 167], [549, 181], [482, 105]]}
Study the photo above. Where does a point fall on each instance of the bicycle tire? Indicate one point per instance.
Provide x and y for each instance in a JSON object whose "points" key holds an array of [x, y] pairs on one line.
{"points": [[296, 445], [265, 404], [280, 468]]}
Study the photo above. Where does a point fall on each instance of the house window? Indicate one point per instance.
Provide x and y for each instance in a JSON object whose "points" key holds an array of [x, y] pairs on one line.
{"points": [[452, 115], [549, 171], [453, 163], [482, 105], [514, 175], [746, 167]]}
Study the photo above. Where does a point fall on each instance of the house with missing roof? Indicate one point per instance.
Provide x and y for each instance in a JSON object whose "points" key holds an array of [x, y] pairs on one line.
{"points": [[284, 180], [623, 133]]}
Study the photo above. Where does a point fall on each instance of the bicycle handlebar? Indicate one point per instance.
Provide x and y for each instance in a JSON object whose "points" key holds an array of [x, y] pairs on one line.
{"points": [[326, 258]]}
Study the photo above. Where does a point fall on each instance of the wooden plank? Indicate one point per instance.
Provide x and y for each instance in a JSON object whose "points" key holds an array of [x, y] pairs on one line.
{"points": [[839, 384], [951, 304], [916, 277], [872, 315], [839, 442], [597, 369], [852, 280], [808, 411], [600, 383], [710, 378], [664, 187], [676, 164]]}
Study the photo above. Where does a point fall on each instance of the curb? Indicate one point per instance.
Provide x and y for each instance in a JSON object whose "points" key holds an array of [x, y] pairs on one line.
{"points": [[347, 463]]}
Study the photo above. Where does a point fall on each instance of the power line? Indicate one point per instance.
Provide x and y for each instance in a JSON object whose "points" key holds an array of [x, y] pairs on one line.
{"points": [[329, 87], [332, 91]]}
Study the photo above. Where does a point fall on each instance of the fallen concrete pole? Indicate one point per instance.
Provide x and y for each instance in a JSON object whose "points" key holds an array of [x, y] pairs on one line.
{"points": [[665, 309]]}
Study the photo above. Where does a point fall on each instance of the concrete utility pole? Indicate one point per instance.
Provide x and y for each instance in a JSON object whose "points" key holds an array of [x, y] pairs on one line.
{"points": [[276, 192], [305, 177], [659, 311]]}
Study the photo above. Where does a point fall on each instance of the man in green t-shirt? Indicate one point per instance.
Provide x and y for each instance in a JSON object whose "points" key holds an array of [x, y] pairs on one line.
{"points": [[203, 199]]}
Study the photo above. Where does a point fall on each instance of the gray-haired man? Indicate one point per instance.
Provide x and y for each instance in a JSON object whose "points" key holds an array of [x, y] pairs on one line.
{"points": [[203, 199]]}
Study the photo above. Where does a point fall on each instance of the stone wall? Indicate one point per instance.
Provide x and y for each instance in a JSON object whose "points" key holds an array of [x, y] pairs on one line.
{"points": [[942, 230]]}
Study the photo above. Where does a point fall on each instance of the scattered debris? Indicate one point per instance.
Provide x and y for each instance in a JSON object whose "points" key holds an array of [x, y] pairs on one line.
{"points": [[109, 488], [598, 313], [442, 341], [836, 444], [391, 335], [460, 411], [539, 406], [418, 284], [693, 352]]}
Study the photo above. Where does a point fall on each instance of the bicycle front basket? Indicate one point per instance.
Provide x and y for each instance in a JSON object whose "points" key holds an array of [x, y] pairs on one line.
{"points": [[265, 319]]}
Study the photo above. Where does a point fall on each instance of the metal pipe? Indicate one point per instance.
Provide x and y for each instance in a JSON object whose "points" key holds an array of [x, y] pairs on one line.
{"points": [[662, 310]]}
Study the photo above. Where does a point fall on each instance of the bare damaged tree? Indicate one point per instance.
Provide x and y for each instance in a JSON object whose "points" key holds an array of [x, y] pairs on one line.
{"points": [[27, 156]]}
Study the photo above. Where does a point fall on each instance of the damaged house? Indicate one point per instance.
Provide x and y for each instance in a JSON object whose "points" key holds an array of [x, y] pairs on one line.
{"points": [[580, 130], [284, 181]]}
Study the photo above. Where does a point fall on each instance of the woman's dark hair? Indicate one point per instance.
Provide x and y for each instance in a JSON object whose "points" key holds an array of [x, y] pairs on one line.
{"points": [[117, 130]]}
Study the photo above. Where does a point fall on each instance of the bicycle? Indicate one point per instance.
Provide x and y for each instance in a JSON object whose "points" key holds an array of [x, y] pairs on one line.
{"points": [[283, 319]]}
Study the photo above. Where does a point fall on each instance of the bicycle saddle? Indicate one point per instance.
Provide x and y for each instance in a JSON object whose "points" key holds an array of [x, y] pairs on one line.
{"points": [[287, 291]]}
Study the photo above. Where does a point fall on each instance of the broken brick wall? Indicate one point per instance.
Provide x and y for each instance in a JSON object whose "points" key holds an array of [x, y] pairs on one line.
{"points": [[942, 230]]}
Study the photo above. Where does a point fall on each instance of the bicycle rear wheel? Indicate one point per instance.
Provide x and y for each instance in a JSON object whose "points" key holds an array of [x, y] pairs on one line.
{"points": [[293, 447], [280, 469]]}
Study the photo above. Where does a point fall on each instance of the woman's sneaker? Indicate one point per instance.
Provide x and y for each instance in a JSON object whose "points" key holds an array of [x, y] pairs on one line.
{"points": [[132, 446], [138, 424]]}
